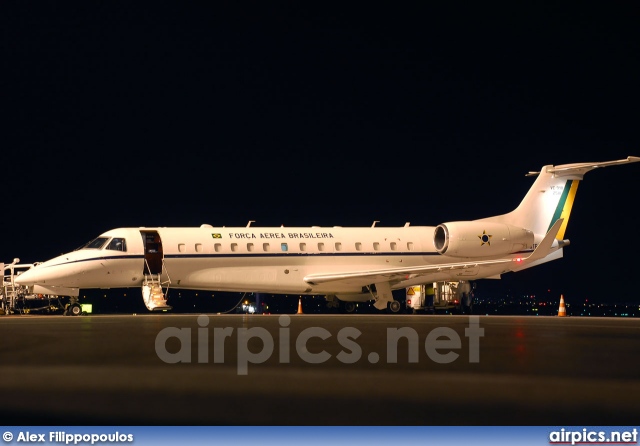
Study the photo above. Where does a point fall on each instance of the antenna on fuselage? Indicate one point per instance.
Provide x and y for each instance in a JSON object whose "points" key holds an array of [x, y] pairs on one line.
{"points": [[374, 223], [250, 221]]}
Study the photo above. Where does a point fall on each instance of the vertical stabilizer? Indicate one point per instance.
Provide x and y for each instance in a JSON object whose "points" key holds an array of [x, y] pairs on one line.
{"points": [[551, 197]]}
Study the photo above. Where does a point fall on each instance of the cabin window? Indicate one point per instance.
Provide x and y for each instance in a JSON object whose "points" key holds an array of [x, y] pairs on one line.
{"points": [[358, 246], [250, 247], [303, 246], [409, 246], [338, 246], [217, 247], [182, 247], [284, 247], [394, 246], [266, 247], [234, 247], [117, 244], [376, 246], [320, 246], [198, 247]]}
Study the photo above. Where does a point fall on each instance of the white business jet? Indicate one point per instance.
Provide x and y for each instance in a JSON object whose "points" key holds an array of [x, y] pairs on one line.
{"points": [[351, 264]]}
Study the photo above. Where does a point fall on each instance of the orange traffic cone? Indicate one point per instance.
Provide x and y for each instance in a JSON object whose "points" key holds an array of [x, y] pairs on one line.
{"points": [[300, 306], [562, 311]]}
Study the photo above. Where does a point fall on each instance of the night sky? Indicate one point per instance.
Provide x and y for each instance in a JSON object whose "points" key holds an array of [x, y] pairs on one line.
{"points": [[122, 114]]}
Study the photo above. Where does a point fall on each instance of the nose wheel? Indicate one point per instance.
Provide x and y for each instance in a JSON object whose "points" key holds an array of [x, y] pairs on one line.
{"points": [[73, 309]]}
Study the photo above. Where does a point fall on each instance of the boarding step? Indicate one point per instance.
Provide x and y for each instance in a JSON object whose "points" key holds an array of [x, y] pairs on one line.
{"points": [[153, 294]]}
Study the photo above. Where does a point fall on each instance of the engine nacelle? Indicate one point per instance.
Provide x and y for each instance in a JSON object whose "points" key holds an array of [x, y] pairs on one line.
{"points": [[480, 239]]}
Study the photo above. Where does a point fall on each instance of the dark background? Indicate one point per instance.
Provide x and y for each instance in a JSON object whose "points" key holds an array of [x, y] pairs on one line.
{"points": [[172, 114]]}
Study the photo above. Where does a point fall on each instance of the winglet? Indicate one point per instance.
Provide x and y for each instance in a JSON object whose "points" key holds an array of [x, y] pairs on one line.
{"points": [[542, 250]]}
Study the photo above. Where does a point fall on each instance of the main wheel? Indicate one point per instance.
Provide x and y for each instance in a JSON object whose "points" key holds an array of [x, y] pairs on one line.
{"points": [[349, 307], [394, 306]]}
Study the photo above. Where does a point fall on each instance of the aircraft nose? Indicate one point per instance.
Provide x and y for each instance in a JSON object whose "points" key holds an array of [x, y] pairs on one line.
{"points": [[28, 277]]}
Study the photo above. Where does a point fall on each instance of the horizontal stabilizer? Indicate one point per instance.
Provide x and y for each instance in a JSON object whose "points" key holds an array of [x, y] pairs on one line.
{"points": [[582, 168]]}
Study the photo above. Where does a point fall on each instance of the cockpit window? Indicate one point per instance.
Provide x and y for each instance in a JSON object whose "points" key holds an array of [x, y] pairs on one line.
{"points": [[95, 243], [117, 244]]}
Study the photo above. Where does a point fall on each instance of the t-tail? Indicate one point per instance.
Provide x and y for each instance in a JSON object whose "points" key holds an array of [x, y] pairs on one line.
{"points": [[551, 197]]}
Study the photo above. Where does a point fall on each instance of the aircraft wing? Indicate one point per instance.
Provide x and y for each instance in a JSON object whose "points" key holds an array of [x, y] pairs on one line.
{"points": [[366, 277]]}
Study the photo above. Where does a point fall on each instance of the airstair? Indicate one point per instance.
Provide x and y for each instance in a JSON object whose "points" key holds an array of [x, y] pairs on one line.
{"points": [[153, 294]]}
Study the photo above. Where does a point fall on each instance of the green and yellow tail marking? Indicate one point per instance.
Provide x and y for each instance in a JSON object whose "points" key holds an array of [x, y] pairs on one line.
{"points": [[564, 207]]}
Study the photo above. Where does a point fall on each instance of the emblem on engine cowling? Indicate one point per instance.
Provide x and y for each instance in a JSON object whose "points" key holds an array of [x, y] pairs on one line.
{"points": [[485, 238]]}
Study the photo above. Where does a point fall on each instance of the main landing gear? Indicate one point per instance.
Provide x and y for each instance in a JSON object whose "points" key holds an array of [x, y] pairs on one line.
{"points": [[394, 306]]}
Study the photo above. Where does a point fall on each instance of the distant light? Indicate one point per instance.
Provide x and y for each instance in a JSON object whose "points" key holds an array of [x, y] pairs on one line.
{"points": [[249, 309]]}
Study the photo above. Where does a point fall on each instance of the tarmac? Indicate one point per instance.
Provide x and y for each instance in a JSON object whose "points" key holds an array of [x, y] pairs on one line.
{"points": [[299, 369]]}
